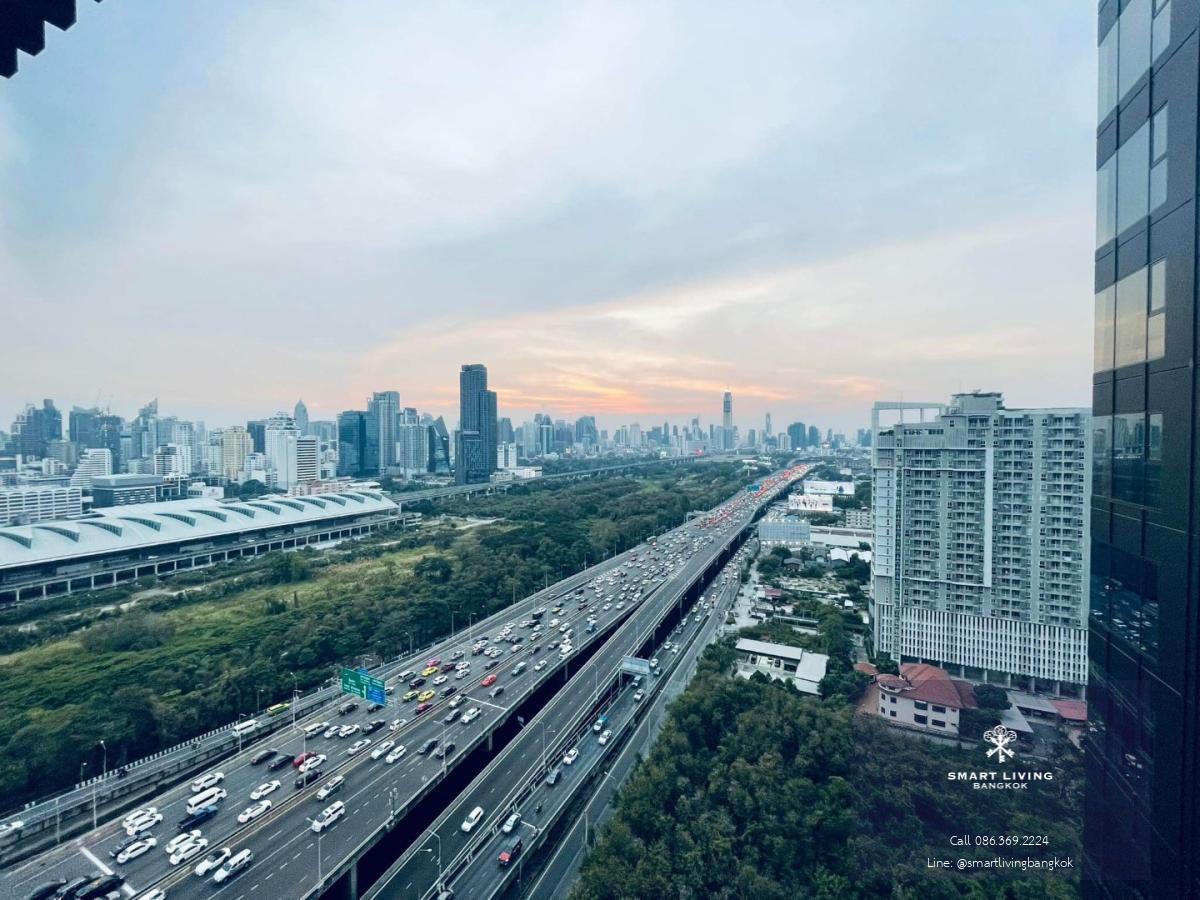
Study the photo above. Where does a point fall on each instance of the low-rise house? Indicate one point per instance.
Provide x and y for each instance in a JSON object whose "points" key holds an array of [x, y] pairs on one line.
{"points": [[922, 696], [801, 667]]}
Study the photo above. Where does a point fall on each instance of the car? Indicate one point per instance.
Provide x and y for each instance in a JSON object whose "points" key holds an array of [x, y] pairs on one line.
{"points": [[488, 681], [203, 814], [638, 695], [433, 663], [331, 787], [457, 701], [440, 680], [450, 716], [426, 695], [373, 726], [554, 623], [490, 665], [457, 654], [308, 778], [600, 723], [180, 840], [509, 853], [565, 650], [395, 754], [204, 782], [278, 763], [605, 736], [358, 747], [332, 731], [409, 695], [212, 862], [496, 691], [235, 864], [144, 824], [510, 823], [407, 673], [315, 729], [314, 762], [262, 756], [428, 746], [48, 890], [620, 605], [429, 670], [553, 775], [384, 747], [374, 707], [267, 787], [152, 894], [125, 842], [303, 758], [416, 682], [346, 730], [606, 607], [570, 756], [101, 888], [445, 750], [518, 669], [470, 715], [472, 819], [540, 665], [461, 674], [188, 851], [253, 811], [329, 815], [136, 849], [396, 723], [448, 666], [348, 707], [449, 690], [74, 888], [144, 812]]}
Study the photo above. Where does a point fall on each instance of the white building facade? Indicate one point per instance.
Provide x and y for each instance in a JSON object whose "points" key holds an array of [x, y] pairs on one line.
{"points": [[981, 539]]}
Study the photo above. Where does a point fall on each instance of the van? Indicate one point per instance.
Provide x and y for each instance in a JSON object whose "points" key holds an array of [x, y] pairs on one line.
{"points": [[245, 727], [209, 797], [518, 668]]}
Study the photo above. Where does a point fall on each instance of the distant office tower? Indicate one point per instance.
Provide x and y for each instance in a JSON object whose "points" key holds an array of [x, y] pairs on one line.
{"points": [[504, 431], [34, 427], [981, 539], [412, 448], [585, 431], [281, 436], [236, 445], [300, 414], [767, 427], [257, 429], [785, 441], [752, 438], [308, 458], [173, 459], [439, 447], [727, 439], [383, 415], [506, 456], [352, 442], [814, 436], [94, 461], [475, 450], [797, 435], [1142, 805]]}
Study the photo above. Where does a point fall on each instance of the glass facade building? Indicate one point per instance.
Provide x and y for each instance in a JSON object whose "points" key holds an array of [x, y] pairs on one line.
{"points": [[1142, 806]]}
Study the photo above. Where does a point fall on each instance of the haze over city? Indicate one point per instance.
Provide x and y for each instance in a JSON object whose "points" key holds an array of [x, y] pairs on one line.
{"points": [[622, 211]]}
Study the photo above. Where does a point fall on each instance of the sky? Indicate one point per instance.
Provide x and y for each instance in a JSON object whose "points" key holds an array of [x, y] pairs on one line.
{"points": [[622, 209]]}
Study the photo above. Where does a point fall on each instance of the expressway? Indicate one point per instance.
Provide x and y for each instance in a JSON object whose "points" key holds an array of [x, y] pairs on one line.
{"points": [[518, 771], [376, 793]]}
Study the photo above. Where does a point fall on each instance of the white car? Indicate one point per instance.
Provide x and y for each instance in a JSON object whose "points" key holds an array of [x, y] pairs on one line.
{"points": [[189, 851], [315, 729], [570, 756], [606, 607], [605, 736], [152, 894], [332, 730], [554, 623], [461, 674], [313, 762], [204, 782], [470, 715], [235, 864], [358, 747], [329, 815], [328, 788], [395, 754], [456, 702], [440, 680], [396, 723], [143, 824], [472, 819], [510, 823], [136, 849], [565, 650], [620, 604], [253, 811], [384, 747], [212, 861], [540, 665], [182, 840], [267, 787], [138, 814], [563, 629], [346, 730], [638, 695]]}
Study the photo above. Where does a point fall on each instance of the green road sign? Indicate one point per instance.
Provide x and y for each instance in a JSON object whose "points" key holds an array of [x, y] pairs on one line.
{"points": [[360, 684]]}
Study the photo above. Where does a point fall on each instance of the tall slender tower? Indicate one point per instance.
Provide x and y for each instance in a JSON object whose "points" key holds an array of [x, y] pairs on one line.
{"points": [[727, 439], [475, 445]]}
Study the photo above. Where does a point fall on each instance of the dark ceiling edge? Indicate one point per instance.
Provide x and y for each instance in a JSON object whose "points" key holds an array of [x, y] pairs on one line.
{"points": [[23, 27]]}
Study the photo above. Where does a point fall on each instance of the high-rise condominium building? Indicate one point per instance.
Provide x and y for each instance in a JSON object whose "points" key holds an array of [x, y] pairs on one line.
{"points": [[280, 437], [981, 539], [383, 415], [1142, 748], [308, 458], [475, 449], [352, 442], [94, 461], [300, 414], [236, 445]]}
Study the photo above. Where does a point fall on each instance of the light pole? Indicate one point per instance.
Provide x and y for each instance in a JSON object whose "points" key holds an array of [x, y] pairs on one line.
{"points": [[427, 850], [258, 700], [320, 878], [295, 696], [103, 775]]}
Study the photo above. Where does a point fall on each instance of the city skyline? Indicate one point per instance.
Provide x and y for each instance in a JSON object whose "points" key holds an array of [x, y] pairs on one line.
{"points": [[616, 269]]}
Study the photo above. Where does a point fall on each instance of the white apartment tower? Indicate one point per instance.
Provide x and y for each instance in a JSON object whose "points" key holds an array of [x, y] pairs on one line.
{"points": [[280, 438], [981, 530], [308, 458]]}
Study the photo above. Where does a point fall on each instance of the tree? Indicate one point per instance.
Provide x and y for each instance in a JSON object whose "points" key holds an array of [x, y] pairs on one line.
{"points": [[434, 569], [886, 665], [990, 696]]}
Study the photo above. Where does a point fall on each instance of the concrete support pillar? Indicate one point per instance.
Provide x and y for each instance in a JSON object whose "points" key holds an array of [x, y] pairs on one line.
{"points": [[490, 735], [352, 883]]}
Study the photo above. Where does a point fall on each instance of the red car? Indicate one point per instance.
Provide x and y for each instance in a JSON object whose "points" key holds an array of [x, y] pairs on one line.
{"points": [[431, 663], [447, 667], [423, 707], [299, 760], [488, 681]]}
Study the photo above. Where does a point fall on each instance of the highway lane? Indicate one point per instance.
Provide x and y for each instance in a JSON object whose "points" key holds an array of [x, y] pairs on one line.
{"points": [[283, 845], [73, 859], [520, 764]]}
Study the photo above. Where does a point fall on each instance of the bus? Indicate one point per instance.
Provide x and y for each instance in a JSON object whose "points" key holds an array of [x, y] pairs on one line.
{"points": [[278, 709]]}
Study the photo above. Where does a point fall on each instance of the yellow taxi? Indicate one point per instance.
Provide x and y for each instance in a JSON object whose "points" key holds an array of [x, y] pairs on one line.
{"points": [[410, 695], [431, 670], [425, 695]]}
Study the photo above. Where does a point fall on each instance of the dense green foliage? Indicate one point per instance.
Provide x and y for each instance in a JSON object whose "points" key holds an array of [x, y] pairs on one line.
{"points": [[755, 791], [182, 659]]}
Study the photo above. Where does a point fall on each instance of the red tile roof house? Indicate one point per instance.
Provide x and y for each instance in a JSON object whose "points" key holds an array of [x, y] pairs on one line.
{"points": [[922, 697]]}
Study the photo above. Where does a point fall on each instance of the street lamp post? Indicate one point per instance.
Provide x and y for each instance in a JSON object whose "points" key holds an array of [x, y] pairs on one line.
{"points": [[427, 850], [320, 877], [258, 700], [295, 696], [103, 775]]}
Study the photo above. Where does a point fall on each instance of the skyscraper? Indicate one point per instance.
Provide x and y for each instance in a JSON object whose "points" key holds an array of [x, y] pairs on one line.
{"points": [[475, 448], [727, 440], [352, 442], [981, 539], [1141, 820], [797, 435], [34, 427], [767, 427], [300, 414], [308, 458], [281, 435], [814, 436], [236, 445], [383, 415]]}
